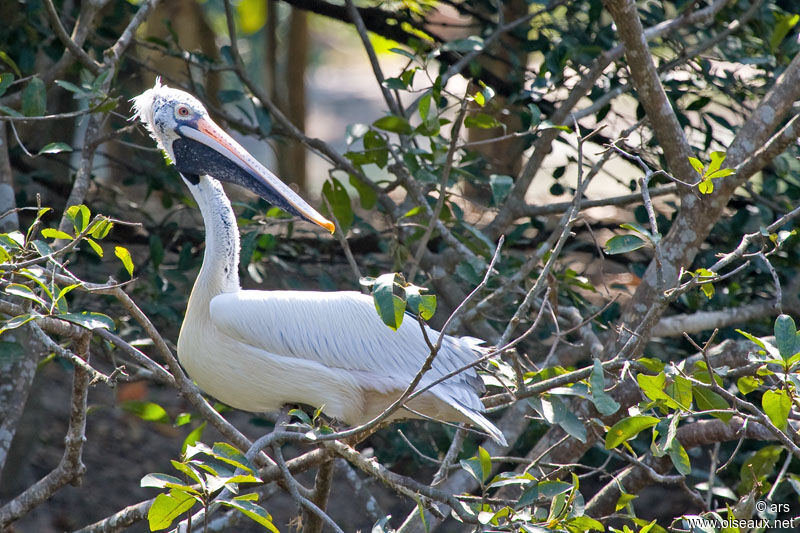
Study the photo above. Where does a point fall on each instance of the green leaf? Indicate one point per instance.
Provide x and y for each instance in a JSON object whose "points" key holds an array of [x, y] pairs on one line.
{"points": [[339, 201], [482, 121], [89, 320], [604, 403], [375, 148], [390, 307], [777, 404], [228, 454], [717, 158], [149, 411], [752, 338], [721, 173], [124, 256], [55, 148], [189, 471], [34, 98], [192, 438], [747, 384], [680, 390], [760, 465], [366, 195], [23, 291], [583, 523], [706, 186], [709, 400], [100, 228], [627, 428], [786, 336], [473, 467], [167, 507], [623, 500], [71, 87], [159, 481], [395, 84], [79, 215], [10, 112], [17, 321], [424, 106], [62, 294], [783, 26], [6, 78], [554, 411], [251, 510], [52, 233], [679, 458], [620, 244], [394, 124], [501, 186], [96, 247], [5, 58], [423, 305], [653, 387]]}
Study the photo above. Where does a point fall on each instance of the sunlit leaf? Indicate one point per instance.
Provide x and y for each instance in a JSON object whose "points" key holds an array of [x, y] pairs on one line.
{"points": [[777, 404], [124, 256], [706, 186], [390, 307], [52, 233], [251, 510], [89, 320], [627, 428], [167, 507], [394, 124]]}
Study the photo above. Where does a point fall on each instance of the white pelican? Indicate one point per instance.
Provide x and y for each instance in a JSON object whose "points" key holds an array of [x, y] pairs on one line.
{"points": [[259, 350]]}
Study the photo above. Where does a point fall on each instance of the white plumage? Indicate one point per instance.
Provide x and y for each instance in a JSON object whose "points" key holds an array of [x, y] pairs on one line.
{"points": [[259, 350]]}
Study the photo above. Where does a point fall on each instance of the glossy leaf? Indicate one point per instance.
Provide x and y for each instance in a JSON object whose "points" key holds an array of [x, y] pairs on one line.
{"points": [[251, 510], [89, 320], [627, 428], [390, 307], [55, 148], [228, 454], [124, 256], [620, 244], [167, 507]]}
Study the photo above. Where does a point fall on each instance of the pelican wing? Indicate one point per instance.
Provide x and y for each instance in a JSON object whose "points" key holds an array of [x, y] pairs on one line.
{"points": [[342, 330]]}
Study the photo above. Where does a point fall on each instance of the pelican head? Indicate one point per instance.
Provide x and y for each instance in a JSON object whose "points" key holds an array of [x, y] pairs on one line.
{"points": [[197, 146]]}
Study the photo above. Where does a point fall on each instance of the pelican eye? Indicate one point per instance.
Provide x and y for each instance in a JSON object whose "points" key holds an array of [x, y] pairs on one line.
{"points": [[183, 111]]}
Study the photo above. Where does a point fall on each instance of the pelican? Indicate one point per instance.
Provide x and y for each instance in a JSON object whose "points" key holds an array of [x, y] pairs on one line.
{"points": [[260, 350]]}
